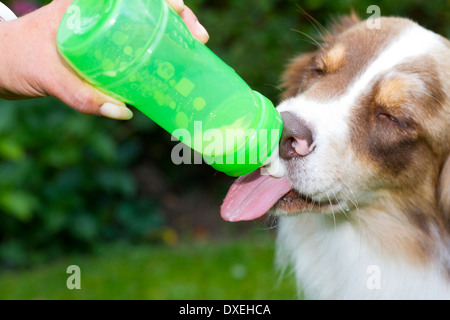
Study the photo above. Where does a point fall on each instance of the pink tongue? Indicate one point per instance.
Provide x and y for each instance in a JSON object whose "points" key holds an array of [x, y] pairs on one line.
{"points": [[251, 196]]}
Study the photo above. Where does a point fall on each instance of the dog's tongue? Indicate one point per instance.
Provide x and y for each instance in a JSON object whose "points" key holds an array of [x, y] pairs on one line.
{"points": [[251, 196]]}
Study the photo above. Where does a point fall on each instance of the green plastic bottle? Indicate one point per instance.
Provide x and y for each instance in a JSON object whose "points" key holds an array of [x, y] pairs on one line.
{"points": [[142, 53]]}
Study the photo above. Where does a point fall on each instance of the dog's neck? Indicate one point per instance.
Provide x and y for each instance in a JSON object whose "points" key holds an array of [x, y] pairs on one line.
{"points": [[406, 224], [404, 245]]}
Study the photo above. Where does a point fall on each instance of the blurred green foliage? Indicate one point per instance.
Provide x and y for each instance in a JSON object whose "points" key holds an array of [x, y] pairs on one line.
{"points": [[66, 179], [65, 182]]}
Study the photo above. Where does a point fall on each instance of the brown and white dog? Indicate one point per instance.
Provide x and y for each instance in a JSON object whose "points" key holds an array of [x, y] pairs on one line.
{"points": [[364, 209]]}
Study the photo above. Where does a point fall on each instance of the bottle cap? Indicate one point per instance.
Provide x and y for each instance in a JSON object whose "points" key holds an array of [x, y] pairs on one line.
{"points": [[259, 147]]}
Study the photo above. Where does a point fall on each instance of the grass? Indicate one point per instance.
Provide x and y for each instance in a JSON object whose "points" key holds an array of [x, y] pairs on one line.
{"points": [[237, 269]]}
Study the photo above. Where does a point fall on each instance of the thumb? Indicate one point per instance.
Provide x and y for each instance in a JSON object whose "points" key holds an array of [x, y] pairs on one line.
{"points": [[83, 97]]}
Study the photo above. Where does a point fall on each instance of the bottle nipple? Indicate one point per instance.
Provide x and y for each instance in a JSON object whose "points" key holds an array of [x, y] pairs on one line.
{"points": [[273, 166]]}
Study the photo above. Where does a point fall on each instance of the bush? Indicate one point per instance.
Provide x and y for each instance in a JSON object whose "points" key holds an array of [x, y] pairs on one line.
{"points": [[65, 181]]}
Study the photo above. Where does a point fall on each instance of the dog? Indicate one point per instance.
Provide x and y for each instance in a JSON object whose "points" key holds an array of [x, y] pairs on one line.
{"points": [[364, 207]]}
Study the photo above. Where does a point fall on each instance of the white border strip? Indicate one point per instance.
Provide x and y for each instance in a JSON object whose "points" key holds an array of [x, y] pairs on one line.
{"points": [[6, 14]]}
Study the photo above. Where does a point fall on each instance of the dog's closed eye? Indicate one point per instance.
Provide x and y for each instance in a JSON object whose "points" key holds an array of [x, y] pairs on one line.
{"points": [[317, 71], [386, 117]]}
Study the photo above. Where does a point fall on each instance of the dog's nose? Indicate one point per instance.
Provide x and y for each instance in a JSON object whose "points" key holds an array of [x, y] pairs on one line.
{"points": [[297, 138]]}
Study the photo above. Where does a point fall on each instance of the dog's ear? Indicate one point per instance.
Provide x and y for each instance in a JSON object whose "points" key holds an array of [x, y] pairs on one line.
{"points": [[443, 190], [294, 75]]}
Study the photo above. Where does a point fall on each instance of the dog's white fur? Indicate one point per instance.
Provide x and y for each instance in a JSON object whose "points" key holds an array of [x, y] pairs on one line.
{"points": [[335, 261]]}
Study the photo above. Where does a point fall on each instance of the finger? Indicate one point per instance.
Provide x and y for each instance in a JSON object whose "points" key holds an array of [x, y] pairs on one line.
{"points": [[194, 25], [177, 5], [89, 100], [82, 97]]}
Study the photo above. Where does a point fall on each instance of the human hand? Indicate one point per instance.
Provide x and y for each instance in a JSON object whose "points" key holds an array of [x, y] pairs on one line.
{"points": [[32, 66], [190, 19]]}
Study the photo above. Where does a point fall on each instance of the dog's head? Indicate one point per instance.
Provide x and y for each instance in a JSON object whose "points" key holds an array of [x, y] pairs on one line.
{"points": [[366, 118], [372, 106]]}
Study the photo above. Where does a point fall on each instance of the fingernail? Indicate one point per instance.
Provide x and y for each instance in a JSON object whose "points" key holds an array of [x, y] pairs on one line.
{"points": [[202, 30], [177, 5], [113, 111]]}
